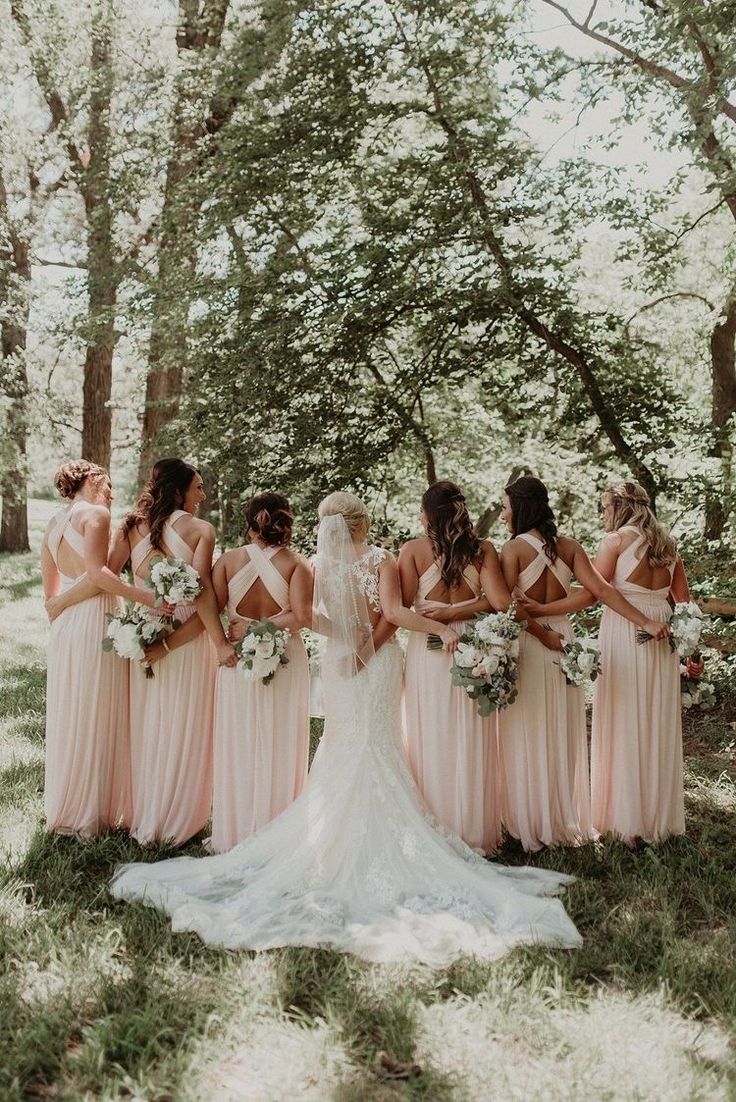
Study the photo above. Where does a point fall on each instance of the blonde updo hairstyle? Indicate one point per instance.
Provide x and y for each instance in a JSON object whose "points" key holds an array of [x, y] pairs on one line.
{"points": [[348, 506], [70, 477], [631, 505]]}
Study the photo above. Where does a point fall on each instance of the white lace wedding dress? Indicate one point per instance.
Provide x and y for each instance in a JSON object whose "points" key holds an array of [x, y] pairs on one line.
{"points": [[356, 863]]}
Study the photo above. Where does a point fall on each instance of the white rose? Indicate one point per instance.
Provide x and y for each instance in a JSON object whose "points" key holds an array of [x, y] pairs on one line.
{"points": [[127, 643], [467, 656], [264, 648], [113, 628], [250, 641]]}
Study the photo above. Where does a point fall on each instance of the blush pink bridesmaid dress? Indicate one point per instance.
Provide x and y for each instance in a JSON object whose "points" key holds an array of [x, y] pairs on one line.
{"points": [[543, 745], [171, 721], [87, 776], [261, 731], [636, 747], [452, 751]]}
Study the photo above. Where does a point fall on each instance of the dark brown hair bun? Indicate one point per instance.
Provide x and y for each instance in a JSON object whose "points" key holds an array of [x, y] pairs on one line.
{"points": [[70, 477], [270, 516]]}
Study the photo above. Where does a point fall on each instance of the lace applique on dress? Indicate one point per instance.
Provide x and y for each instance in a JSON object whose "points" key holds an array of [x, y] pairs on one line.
{"points": [[365, 572]]}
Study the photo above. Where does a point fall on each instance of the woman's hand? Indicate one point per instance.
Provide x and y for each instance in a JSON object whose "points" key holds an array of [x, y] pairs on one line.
{"points": [[657, 630], [52, 608], [226, 655], [552, 639], [154, 653], [695, 667], [440, 615], [237, 630], [534, 608], [450, 639]]}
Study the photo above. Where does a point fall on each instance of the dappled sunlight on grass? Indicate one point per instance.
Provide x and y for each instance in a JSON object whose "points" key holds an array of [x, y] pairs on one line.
{"points": [[541, 1044]]}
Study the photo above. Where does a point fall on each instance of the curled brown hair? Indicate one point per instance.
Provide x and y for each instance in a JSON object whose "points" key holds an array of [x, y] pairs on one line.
{"points": [[270, 516], [631, 505], [161, 496], [530, 508], [450, 530], [70, 477]]}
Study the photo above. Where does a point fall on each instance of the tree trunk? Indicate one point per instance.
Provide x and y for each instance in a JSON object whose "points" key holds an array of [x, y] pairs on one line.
{"points": [[14, 522], [723, 365], [101, 259], [167, 353]]}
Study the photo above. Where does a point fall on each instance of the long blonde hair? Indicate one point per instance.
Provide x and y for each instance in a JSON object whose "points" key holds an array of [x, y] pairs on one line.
{"points": [[631, 505], [347, 505]]}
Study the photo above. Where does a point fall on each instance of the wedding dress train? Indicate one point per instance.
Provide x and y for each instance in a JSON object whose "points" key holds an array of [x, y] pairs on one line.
{"points": [[356, 863]]}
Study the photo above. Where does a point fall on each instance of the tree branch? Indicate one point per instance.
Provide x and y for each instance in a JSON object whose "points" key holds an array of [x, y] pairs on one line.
{"points": [[676, 80], [666, 298]]}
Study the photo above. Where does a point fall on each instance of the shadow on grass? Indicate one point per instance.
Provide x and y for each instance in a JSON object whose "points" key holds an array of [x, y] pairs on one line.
{"points": [[20, 576], [649, 916], [379, 1029], [23, 697], [20, 781]]}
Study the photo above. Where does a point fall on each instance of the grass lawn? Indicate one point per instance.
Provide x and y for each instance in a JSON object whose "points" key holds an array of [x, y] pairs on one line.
{"points": [[99, 1000]]}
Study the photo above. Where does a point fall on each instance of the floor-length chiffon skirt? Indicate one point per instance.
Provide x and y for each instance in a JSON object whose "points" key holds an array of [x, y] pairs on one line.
{"points": [[171, 742], [87, 774], [636, 747], [261, 747], [452, 751], [543, 751]]}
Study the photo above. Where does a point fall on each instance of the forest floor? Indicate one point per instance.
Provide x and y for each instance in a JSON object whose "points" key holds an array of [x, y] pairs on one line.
{"points": [[99, 1000]]}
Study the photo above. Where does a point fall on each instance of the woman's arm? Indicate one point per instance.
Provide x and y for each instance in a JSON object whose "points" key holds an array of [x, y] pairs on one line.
{"points": [[49, 572], [577, 599], [206, 603], [449, 614], [679, 588], [82, 590], [397, 613], [96, 532], [493, 579]]}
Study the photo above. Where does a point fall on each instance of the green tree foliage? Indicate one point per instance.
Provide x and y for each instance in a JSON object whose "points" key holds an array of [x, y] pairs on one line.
{"points": [[380, 234]]}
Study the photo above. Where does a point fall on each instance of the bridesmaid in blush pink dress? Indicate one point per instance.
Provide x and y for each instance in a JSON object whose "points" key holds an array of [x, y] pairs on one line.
{"points": [[261, 731], [543, 741], [449, 575], [171, 714], [87, 781]]}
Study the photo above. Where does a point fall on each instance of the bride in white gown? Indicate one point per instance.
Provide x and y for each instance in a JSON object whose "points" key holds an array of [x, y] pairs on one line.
{"points": [[356, 863]]}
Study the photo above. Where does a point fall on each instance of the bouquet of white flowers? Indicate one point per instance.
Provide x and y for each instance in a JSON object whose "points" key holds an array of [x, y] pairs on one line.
{"points": [[580, 660], [262, 651], [695, 693], [130, 632], [686, 624], [174, 582], [486, 659]]}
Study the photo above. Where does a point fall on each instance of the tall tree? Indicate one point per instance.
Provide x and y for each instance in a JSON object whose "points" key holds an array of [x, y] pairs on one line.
{"points": [[686, 50], [15, 278], [390, 233]]}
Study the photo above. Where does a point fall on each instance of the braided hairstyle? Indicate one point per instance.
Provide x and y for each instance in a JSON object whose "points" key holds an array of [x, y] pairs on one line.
{"points": [[70, 477], [530, 508], [270, 516], [631, 505], [450, 531], [161, 496]]}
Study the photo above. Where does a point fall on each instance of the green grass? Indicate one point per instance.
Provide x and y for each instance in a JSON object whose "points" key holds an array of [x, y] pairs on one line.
{"points": [[99, 1000]]}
